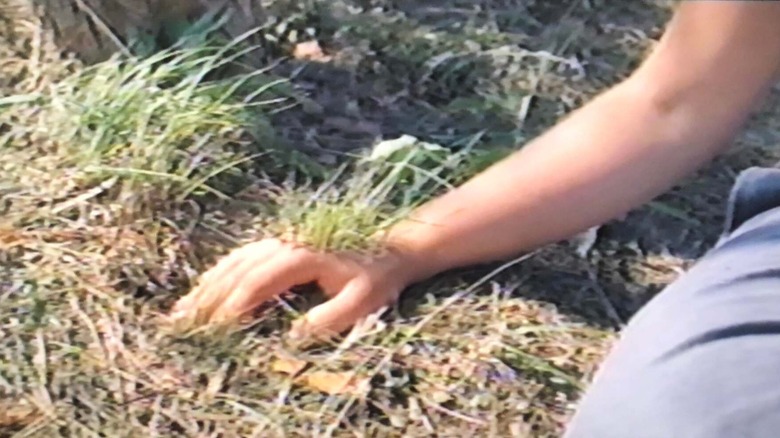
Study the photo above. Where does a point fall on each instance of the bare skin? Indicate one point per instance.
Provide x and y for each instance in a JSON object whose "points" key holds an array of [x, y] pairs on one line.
{"points": [[677, 111]]}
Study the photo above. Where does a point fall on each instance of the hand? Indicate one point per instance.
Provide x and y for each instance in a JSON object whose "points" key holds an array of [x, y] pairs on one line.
{"points": [[259, 271]]}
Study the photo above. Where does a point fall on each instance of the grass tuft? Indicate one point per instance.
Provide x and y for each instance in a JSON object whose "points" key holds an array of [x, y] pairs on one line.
{"points": [[161, 128], [352, 210]]}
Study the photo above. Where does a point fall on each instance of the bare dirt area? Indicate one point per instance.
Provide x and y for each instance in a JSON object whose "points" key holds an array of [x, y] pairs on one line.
{"points": [[121, 182]]}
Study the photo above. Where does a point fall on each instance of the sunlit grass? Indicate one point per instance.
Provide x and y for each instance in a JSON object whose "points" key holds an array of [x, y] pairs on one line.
{"points": [[352, 210], [162, 127]]}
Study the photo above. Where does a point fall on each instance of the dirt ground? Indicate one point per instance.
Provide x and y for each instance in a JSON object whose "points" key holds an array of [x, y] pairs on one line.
{"points": [[467, 352]]}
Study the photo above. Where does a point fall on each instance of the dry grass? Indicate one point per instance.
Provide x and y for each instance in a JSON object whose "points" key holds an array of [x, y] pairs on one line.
{"points": [[122, 181]]}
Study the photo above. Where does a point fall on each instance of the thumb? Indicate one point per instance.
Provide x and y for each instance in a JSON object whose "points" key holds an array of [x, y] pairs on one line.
{"points": [[355, 301]]}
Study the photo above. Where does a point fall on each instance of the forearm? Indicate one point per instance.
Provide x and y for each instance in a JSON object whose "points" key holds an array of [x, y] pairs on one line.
{"points": [[616, 153], [679, 109]]}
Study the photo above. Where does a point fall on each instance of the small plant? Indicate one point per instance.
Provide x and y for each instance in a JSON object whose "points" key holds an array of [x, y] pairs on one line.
{"points": [[381, 189]]}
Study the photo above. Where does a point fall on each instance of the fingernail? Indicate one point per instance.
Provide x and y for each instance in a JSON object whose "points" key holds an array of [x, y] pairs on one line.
{"points": [[178, 314]]}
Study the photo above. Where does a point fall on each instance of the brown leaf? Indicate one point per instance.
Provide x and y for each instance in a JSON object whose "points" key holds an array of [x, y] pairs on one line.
{"points": [[288, 365], [18, 415], [310, 51], [332, 383], [10, 238], [338, 383]]}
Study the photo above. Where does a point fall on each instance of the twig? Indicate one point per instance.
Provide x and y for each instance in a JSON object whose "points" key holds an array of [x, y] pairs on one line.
{"points": [[86, 196], [601, 294], [103, 26], [458, 415], [453, 299]]}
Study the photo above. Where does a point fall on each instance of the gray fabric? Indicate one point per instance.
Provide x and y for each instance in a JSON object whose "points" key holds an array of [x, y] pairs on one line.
{"points": [[702, 359]]}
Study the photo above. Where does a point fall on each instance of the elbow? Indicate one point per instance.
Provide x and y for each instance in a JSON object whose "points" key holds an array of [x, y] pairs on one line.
{"points": [[662, 99], [657, 96], [686, 114]]}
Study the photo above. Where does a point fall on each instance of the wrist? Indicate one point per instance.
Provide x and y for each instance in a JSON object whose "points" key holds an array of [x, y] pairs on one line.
{"points": [[411, 259]]}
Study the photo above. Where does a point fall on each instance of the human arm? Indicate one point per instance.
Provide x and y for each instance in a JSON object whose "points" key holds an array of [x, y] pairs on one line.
{"points": [[679, 109]]}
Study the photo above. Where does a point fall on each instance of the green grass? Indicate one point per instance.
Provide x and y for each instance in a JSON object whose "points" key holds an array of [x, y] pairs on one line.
{"points": [[352, 210], [121, 182], [159, 128]]}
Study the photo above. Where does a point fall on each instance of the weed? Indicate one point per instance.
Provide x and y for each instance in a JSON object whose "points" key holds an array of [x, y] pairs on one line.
{"points": [[355, 206]]}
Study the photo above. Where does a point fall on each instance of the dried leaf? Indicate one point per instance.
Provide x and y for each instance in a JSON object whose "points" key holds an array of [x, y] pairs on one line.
{"points": [[10, 238], [18, 416], [324, 381], [288, 365], [338, 383]]}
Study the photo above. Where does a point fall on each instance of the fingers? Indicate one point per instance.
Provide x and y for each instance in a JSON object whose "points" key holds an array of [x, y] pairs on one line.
{"points": [[257, 272], [209, 299], [220, 280], [267, 280], [354, 302]]}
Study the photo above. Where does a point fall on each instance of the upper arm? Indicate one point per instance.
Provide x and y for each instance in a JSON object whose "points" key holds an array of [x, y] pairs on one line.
{"points": [[716, 58]]}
